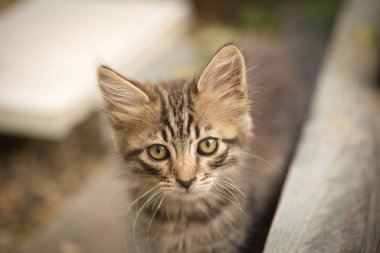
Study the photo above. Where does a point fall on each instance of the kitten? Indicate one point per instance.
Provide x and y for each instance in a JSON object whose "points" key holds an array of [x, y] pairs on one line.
{"points": [[184, 146]]}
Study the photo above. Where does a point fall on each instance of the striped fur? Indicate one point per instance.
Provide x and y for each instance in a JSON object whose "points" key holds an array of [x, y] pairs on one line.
{"points": [[211, 215]]}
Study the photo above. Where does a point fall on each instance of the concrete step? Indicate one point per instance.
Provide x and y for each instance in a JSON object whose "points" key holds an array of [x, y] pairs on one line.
{"points": [[49, 51]]}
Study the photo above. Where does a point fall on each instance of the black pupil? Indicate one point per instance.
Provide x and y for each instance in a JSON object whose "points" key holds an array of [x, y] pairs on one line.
{"points": [[158, 149], [208, 143]]}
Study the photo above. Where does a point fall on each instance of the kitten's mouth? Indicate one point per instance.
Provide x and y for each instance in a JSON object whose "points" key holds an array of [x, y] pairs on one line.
{"points": [[189, 196], [190, 193], [180, 193], [186, 192]]}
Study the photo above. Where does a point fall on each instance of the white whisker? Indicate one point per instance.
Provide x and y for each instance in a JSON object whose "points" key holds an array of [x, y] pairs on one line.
{"points": [[238, 205], [232, 185], [128, 209], [146, 203], [161, 197], [263, 160]]}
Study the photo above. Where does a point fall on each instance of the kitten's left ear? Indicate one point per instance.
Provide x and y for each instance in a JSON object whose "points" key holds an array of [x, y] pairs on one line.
{"points": [[225, 73]]}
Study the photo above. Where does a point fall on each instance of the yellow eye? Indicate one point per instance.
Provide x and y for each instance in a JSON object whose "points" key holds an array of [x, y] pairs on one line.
{"points": [[158, 152], [207, 146]]}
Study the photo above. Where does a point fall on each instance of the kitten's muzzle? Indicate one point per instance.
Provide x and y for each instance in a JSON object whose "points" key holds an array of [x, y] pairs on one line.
{"points": [[185, 184]]}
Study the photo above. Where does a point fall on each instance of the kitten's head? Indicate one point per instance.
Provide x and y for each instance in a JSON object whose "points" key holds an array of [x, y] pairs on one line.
{"points": [[182, 137]]}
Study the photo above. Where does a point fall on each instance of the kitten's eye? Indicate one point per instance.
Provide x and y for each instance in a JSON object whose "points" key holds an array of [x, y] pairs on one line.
{"points": [[158, 152], [207, 146]]}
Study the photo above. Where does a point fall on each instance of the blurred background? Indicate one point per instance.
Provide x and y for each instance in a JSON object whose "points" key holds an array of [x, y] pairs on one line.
{"points": [[54, 141]]}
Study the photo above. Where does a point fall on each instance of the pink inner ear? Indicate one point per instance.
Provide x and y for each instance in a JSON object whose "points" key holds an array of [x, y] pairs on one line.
{"points": [[225, 73]]}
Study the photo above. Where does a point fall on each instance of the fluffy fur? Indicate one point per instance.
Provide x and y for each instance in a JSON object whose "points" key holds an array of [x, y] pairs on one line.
{"points": [[213, 214]]}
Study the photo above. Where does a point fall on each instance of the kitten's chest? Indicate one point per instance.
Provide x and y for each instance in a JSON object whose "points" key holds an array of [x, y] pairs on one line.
{"points": [[182, 237], [196, 233]]}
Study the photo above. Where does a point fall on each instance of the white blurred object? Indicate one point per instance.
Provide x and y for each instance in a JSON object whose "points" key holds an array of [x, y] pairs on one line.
{"points": [[49, 51]]}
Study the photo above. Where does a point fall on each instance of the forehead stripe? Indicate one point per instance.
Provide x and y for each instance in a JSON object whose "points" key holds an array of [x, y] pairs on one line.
{"points": [[190, 103], [197, 132], [190, 119], [167, 123], [164, 135]]}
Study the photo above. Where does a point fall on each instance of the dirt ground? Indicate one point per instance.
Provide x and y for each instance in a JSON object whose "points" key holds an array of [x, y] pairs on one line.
{"points": [[35, 176]]}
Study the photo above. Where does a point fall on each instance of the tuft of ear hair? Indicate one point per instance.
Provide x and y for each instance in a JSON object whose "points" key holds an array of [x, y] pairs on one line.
{"points": [[225, 73], [116, 89], [121, 97]]}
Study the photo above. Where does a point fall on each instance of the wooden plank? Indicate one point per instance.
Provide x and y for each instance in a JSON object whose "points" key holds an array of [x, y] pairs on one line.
{"points": [[331, 198]]}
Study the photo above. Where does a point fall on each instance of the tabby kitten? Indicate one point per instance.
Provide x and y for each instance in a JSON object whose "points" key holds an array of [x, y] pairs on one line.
{"points": [[183, 144]]}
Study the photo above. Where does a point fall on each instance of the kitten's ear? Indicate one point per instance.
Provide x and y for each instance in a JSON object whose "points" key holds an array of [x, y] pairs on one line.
{"points": [[121, 97], [225, 73]]}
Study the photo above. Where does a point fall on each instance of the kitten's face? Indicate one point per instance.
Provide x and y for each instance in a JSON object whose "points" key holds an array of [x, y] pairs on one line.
{"points": [[185, 137]]}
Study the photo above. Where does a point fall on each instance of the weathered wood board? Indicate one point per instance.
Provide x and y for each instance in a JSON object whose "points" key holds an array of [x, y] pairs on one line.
{"points": [[331, 197]]}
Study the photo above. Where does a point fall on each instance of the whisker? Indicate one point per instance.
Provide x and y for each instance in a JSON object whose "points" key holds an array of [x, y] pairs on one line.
{"points": [[167, 215], [146, 203], [161, 197], [238, 205], [273, 166], [251, 68], [232, 185], [227, 198], [128, 209], [214, 202], [220, 235]]}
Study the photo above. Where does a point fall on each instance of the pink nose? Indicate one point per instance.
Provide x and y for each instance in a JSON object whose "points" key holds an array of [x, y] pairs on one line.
{"points": [[185, 184]]}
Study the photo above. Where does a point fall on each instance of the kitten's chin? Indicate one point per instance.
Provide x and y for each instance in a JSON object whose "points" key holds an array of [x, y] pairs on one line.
{"points": [[190, 194]]}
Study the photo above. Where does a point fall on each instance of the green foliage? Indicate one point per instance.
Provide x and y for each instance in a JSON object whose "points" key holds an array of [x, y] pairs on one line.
{"points": [[321, 12], [260, 14]]}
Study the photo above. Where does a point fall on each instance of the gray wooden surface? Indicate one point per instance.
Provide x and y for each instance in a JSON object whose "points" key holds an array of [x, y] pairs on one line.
{"points": [[331, 198]]}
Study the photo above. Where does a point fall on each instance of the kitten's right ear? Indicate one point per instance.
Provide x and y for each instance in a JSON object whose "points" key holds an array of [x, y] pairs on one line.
{"points": [[225, 74], [121, 97]]}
